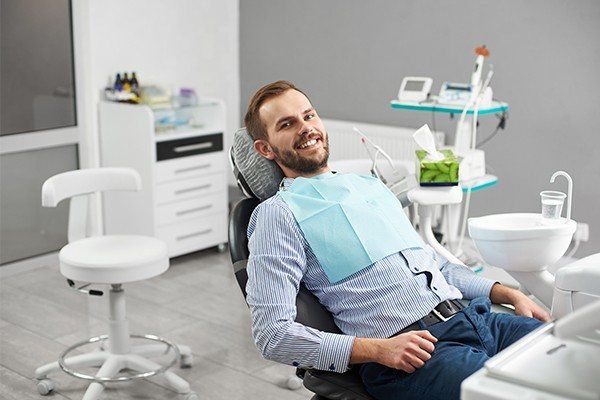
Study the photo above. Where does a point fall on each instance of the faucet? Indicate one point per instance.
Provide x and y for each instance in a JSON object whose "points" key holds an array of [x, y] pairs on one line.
{"points": [[569, 190]]}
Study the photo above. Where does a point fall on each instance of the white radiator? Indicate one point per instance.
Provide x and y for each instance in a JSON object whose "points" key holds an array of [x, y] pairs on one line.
{"points": [[345, 143]]}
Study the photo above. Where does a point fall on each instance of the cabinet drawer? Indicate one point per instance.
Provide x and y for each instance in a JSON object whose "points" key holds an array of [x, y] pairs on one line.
{"points": [[189, 146], [182, 168], [194, 234], [191, 209], [188, 188]]}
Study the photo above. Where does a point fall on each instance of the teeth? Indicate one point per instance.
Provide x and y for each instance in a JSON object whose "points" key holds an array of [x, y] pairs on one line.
{"points": [[307, 144]]}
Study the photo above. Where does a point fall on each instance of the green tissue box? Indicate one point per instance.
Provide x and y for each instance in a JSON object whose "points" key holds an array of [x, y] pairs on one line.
{"points": [[437, 173]]}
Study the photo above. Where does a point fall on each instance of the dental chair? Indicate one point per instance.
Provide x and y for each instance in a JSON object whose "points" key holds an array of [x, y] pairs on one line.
{"points": [[259, 179]]}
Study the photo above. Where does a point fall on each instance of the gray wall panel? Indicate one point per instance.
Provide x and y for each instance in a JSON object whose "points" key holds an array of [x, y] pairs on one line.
{"points": [[350, 56], [26, 228]]}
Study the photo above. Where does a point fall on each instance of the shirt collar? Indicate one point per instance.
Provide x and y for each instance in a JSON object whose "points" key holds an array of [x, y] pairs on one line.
{"points": [[287, 182]]}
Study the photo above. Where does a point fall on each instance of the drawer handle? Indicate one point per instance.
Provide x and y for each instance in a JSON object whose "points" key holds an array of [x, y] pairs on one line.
{"points": [[193, 189], [178, 171], [204, 232], [192, 147], [191, 210]]}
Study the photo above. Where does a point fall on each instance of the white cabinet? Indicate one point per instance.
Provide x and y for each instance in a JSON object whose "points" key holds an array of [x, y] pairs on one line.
{"points": [[183, 200]]}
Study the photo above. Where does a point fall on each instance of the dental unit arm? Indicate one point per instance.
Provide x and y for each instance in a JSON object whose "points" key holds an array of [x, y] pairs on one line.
{"points": [[395, 181]]}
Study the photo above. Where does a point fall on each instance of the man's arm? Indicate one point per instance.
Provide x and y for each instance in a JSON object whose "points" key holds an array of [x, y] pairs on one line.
{"points": [[524, 306], [472, 285], [407, 351], [461, 277], [275, 269]]}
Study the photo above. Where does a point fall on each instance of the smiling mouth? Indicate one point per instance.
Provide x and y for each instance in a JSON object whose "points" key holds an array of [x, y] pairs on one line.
{"points": [[308, 144]]}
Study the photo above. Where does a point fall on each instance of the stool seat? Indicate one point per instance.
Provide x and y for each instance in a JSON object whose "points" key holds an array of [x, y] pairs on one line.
{"points": [[114, 259]]}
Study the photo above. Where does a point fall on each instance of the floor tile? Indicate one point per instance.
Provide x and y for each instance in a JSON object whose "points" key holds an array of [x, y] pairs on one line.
{"points": [[278, 374], [41, 314], [227, 384], [220, 344], [16, 387], [226, 307]]}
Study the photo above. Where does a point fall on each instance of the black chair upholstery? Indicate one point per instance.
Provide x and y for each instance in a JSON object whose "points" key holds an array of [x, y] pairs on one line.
{"points": [[238, 239], [327, 385]]}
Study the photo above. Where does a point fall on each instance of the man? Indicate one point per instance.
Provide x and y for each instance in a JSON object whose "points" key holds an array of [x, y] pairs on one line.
{"points": [[387, 309]]}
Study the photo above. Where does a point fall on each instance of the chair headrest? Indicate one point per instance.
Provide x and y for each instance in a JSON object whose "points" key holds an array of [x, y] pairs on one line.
{"points": [[256, 176]]}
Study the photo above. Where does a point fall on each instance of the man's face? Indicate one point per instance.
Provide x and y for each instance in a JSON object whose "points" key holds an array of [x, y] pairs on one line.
{"points": [[297, 141]]}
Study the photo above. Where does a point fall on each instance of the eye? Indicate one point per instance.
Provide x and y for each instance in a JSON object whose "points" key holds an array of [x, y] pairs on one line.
{"points": [[310, 116], [285, 125]]}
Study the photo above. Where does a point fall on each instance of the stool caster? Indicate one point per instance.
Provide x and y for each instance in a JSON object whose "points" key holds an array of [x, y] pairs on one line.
{"points": [[293, 382], [45, 386], [191, 396], [186, 361]]}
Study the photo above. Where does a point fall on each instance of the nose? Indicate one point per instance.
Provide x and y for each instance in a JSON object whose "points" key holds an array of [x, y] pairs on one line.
{"points": [[306, 129]]}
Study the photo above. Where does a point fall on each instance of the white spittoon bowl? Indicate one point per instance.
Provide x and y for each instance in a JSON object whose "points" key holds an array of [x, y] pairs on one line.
{"points": [[521, 241]]}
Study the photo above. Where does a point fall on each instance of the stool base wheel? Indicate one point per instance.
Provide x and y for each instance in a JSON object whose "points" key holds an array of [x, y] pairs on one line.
{"points": [[45, 386], [112, 364]]}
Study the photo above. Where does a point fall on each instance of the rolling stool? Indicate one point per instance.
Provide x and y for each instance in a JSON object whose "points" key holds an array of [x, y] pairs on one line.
{"points": [[109, 260]]}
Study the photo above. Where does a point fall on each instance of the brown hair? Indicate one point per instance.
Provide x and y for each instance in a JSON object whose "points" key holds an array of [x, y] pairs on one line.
{"points": [[254, 125]]}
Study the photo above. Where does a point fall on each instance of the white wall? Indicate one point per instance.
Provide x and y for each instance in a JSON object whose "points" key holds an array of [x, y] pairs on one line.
{"points": [[192, 43]]}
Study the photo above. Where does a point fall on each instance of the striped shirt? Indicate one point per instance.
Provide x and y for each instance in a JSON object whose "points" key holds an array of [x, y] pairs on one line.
{"points": [[375, 302]]}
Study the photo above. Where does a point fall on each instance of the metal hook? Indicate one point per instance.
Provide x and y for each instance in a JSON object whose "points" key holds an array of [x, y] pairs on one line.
{"points": [[570, 190]]}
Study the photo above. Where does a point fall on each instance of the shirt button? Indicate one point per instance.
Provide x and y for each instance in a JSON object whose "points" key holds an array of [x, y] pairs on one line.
{"points": [[332, 367], [434, 288], [295, 363]]}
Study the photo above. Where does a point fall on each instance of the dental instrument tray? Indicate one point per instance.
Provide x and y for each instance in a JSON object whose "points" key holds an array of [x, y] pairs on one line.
{"points": [[563, 367]]}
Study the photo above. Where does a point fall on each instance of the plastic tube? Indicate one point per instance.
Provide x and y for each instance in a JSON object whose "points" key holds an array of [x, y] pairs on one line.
{"points": [[463, 227]]}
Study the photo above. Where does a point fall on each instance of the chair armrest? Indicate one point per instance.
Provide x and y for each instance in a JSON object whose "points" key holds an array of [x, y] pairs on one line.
{"points": [[85, 181], [580, 276], [333, 385]]}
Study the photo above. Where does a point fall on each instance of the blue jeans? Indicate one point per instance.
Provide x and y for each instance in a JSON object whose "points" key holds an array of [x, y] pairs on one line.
{"points": [[465, 343]]}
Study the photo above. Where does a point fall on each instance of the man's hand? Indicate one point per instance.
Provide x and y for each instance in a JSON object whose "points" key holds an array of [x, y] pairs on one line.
{"points": [[523, 305], [407, 351], [528, 308]]}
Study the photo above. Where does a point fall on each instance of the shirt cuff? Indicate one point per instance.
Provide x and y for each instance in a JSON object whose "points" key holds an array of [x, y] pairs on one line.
{"points": [[479, 287], [334, 354]]}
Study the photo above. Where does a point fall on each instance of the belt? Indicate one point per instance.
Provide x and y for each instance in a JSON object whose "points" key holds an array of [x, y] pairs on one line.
{"points": [[441, 313]]}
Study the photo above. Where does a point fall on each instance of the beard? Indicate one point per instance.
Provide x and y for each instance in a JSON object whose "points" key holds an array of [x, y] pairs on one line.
{"points": [[306, 165]]}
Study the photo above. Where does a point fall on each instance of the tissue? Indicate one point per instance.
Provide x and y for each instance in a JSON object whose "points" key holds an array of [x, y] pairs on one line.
{"points": [[437, 173], [434, 167]]}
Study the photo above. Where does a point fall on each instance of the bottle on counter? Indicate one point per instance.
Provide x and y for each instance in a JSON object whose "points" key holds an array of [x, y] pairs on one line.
{"points": [[126, 83], [134, 83], [118, 85]]}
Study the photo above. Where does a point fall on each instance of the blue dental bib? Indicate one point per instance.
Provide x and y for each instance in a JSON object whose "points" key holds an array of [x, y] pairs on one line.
{"points": [[349, 221]]}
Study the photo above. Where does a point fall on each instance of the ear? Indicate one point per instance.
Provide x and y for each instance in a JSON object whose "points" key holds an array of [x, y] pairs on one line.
{"points": [[264, 149]]}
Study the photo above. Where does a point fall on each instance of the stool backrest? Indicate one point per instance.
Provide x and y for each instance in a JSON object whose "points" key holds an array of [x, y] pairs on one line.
{"points": [[78, 185]]}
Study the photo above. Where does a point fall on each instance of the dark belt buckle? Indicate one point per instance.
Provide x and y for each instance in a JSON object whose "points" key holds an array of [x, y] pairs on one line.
{"points": [[440, 316]]}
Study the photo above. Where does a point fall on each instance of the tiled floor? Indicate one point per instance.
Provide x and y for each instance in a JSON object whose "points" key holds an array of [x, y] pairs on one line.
{"points": [[196, 302]]}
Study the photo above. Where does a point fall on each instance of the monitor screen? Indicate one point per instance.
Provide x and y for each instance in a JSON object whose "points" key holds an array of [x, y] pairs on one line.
{"points": [[414, 86]]}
